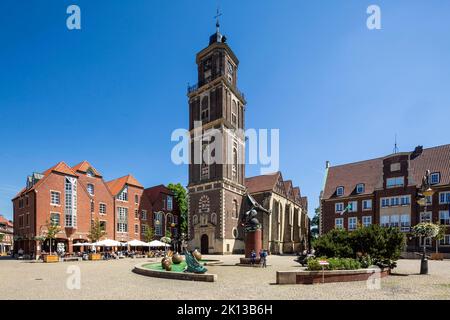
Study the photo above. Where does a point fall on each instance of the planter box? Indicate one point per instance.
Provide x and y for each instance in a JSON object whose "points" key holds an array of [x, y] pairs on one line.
{"points": [[311, 277], [95, 256], [437, 256], [51, 258]]}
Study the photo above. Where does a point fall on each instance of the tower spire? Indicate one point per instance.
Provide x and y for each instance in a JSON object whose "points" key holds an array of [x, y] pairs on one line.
{"points": [[218, 14], [395, 145]]}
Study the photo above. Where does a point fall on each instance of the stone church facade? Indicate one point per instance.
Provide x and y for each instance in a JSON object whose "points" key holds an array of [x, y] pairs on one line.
{"points": [[217, 189]]}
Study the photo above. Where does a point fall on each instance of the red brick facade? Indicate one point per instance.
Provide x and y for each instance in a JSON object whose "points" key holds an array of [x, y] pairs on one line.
{"points": [[392, 185], [44, 200]]}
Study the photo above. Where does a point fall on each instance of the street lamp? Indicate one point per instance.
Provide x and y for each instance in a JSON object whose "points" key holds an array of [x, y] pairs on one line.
{"points": [[172, 224], [426, 192]]}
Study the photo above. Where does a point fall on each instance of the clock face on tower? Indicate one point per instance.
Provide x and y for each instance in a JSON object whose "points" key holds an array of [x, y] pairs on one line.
{"points": [[204, 204]]}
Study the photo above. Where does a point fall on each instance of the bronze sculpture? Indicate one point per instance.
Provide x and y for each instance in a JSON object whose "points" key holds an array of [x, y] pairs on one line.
{"points": [[192, 264], [249, 219]]}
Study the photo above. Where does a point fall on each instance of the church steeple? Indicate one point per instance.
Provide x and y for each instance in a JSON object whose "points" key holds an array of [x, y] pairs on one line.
{"points": [[217, 37]]}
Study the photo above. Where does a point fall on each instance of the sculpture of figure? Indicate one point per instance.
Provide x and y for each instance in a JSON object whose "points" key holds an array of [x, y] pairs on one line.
{"points": [[192, 264], [249, 219], [426, 181]]}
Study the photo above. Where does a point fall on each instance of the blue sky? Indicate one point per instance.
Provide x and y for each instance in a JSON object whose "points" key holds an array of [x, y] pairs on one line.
{"points": [[113, 92]]}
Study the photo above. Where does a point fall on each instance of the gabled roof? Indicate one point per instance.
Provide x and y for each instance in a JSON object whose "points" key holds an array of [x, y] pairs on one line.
{"points": [[262, 183], [304, 201], [60, 167], [117, 185], [370, 172], [297, 194], [288, 188], [5, 221], [152, 193], [84, 167]]}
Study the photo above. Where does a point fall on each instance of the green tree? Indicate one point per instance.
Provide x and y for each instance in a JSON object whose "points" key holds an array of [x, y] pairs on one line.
{"points": [[52, 230], [181, 198], [149, 234], [440, 235], [2, 236], [315, 223], [96, 232]]}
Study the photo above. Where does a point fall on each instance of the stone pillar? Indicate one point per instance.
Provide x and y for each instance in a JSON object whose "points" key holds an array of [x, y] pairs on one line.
{"points": [[253, 241]]}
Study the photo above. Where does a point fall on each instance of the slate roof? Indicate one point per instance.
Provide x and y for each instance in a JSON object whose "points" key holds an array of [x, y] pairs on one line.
{"points": [[370, 172]]}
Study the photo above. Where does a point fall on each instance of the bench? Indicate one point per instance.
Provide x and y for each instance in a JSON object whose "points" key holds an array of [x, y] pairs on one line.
{"points": [[72, 259]]}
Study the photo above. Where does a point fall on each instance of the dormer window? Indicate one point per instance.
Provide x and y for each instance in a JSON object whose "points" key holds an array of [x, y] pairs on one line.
{"points": [[360, 188], [90, 173], [435, 178], [340, 191], [123, 196]]}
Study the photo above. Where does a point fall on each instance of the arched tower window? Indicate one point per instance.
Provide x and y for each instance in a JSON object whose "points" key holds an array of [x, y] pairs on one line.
{"points": [[234, 113], [214, 218], [205, 109], [195, 219]]}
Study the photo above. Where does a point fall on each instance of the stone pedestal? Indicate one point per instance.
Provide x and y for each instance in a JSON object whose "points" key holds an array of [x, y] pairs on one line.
{"points": [[253, 242]]}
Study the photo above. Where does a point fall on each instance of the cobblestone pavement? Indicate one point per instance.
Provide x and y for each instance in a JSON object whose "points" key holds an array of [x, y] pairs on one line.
{"points": [[114, 280]]}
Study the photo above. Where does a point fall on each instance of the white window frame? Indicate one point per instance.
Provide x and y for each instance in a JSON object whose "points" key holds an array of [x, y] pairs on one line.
{"points": [[339, 223], [365, 207], [169, 203], [53, 192], [396, 182], [444, 197], [434, 181], [144, 215], [353, 206], [123, 195], [122, 220], [339, 204], [352, 223], [59, 217], [446, 219], [360, 188], [445, 241], [366, 221], [100, 210], [405, 224], [90, 189], [340, 191]]}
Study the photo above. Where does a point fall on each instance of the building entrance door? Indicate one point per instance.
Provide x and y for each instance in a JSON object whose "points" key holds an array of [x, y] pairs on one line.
{"points": [[204, 244]]}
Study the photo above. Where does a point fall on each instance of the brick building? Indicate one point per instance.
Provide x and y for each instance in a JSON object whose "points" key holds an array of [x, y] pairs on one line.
{"points": [[285, 230], [384, 191], [7, 232], [217, 189], [74, 197]]}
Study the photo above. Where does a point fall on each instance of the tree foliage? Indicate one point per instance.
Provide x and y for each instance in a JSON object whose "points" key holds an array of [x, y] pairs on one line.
{"points": [[96, 232], [383, 245], [149, 234], [181, 198], [315, 223]]}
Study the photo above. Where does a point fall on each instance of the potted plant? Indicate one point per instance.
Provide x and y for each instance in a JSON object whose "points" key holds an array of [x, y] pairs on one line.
{"points": [[95, 234], [52, 230]]}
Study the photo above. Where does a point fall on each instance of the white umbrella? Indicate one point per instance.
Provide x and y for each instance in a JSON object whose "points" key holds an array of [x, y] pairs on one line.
{"points": [[82, 244], [137, 243], [107, 243], [157, 243]]}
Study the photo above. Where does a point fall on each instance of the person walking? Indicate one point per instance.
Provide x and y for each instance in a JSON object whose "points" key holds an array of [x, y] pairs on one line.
{"points": [[261, 257], [253, 257], [264, 258]]}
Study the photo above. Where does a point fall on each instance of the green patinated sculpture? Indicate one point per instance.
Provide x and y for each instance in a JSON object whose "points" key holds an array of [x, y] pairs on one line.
{"points": [[192, 264]]}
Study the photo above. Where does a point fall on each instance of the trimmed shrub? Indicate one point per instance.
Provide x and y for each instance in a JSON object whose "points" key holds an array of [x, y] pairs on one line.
{"points": [[370, 245], [334, 264]]}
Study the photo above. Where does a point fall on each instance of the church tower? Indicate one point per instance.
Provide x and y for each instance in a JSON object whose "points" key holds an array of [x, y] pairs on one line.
{"points": [[216, 123]]}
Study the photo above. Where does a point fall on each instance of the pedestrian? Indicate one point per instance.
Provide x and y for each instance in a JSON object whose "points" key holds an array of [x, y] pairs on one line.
{"points": [[261, 257], [264, 259], [253, 257]]}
